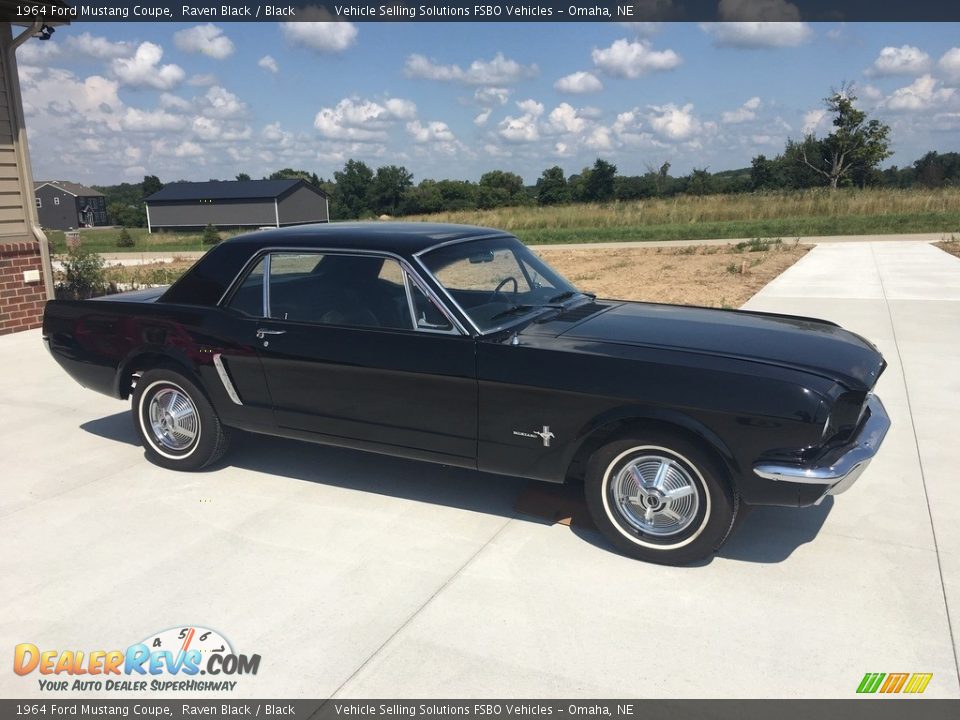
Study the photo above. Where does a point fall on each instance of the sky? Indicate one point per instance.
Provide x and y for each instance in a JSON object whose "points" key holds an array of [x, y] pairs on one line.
{"points": [[109, 103]]}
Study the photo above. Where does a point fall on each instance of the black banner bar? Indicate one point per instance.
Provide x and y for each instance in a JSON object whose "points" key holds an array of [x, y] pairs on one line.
{"points": [[53, 11], [854, 709]]}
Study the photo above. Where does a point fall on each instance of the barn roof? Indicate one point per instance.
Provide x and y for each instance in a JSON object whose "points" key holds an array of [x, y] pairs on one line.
{"points": [[227, 190]]}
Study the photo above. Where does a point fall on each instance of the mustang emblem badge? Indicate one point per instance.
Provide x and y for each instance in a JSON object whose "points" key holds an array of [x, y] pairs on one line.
{"points": [[544, 435]]}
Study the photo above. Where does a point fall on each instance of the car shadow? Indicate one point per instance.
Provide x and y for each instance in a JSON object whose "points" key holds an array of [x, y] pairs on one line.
{"points": [[765, 535]]}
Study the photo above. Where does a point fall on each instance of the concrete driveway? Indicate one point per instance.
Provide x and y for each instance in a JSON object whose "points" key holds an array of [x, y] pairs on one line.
{"points": [[363, 576]]}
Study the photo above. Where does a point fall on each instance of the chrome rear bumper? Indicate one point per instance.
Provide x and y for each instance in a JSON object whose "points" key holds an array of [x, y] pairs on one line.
{"points": [[837, 472]]}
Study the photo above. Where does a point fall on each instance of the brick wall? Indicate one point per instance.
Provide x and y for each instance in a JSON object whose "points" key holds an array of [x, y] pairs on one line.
{"points": [[21, 304]]}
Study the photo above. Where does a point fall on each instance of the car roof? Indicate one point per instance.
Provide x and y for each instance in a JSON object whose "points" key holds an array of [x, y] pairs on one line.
{"points": [[402, 238]]}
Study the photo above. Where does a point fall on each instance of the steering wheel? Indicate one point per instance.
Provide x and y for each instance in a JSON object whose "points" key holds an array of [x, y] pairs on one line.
{"points": [[499, 288]]}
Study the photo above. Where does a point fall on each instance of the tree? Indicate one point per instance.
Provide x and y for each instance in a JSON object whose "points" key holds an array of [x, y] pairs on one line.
{"points": [[499, 188], [552, 187], [389, 185], [124, 239], [599, 184], [291, 174], [243, 177], [210, 235], [698, 182], [762, 173], [660, 176], [855, 142], [352, 193], [151, 184]]}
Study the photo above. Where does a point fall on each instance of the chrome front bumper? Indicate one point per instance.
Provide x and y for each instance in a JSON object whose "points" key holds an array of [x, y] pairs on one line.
{"points": [[837, 472]]}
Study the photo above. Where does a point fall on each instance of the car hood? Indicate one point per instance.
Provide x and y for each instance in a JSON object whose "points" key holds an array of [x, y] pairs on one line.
{"points": [[801, 343]]}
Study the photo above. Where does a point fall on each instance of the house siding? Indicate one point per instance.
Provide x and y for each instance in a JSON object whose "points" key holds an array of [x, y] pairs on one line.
{"points": [[58, 217], [21, 302], [301, 206], [222, 213]]}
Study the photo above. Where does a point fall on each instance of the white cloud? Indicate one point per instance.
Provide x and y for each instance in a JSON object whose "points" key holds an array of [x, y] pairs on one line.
{"points": [[498, 71], [744, 113], [812, 120], [322, 37], [599, 139], [37, 53], [268, 63], [206, 128], [431, 132], [203, 80], [144, 69], [220, 102], [922, 94], [362, 120], [481, 118], [772, 23], [523, 128], [674, 122], [206, 40], [950, 64], [135, 120], [173, 102], [188, 149], [643, 29], [903, 60], [633, 59], [564, 119], [489, 96], [773, 10], [98, 48], [578, 83], [60, 97]]}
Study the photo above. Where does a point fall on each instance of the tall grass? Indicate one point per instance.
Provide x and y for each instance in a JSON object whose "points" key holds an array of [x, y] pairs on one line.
{"points": [[690, 217]]}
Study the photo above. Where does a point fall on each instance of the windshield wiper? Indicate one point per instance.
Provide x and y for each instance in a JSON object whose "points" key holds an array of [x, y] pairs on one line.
{"points": [[566, 295]]}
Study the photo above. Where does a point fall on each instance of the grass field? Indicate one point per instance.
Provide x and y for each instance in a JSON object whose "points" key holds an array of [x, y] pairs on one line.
{"points": [[784, 215], [104, 240]]}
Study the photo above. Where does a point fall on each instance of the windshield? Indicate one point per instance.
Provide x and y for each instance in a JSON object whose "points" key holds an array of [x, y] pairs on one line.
{"points": [[497, 280]]}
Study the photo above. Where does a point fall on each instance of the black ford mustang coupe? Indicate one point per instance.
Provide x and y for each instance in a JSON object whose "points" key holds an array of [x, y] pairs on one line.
{"points": [[458, 345]]}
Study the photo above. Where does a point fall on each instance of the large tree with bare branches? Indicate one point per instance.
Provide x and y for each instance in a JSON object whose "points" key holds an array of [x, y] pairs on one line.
{"points": [[854, 143]]}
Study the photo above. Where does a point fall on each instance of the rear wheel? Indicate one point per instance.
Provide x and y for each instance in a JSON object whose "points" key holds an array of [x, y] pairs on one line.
{"points": [[176, 423], [660, 497]]}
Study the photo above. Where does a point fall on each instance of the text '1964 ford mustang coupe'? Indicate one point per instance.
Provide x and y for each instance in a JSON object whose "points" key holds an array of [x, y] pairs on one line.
{"points": [[458, 345]]}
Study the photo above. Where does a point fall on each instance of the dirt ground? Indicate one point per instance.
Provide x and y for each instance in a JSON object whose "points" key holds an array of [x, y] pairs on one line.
{"points": [[951, 246], [708, 275]]}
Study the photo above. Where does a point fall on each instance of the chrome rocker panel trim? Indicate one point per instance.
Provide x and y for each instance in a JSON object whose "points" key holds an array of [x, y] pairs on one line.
{"points": [[840, 474]]}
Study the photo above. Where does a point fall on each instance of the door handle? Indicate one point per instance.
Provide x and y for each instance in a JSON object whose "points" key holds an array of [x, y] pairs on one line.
{"points": [[263, 332]]}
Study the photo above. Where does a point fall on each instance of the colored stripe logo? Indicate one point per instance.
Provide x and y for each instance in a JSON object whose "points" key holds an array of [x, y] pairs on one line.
{"points": [[889, 683]]}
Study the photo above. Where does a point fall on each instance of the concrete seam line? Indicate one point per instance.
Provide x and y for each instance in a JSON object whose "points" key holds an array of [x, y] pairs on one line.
{"points": [[923, 476], [419, 609]]}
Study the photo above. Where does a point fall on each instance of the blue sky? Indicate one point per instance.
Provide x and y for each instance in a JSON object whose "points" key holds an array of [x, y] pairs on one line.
{"points": [[110, 102]]}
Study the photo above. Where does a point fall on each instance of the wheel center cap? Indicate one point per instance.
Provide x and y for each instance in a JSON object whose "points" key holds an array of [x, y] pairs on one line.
{"points": [[653, 501]]}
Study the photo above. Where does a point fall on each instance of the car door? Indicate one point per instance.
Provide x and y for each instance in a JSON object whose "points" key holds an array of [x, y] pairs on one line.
{"points": [[346, 362]]}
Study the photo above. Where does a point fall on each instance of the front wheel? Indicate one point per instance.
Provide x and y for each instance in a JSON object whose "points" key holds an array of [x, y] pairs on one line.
{"points": [[176, 423], [660, 498]]}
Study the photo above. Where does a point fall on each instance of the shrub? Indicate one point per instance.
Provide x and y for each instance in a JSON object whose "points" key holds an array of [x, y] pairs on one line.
{"points": [[83, 275], [210, 235], [124, 239]]}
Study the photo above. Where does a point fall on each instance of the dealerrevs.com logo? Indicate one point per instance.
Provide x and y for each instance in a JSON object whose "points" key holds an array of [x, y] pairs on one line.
{"points": [[893, 683], [173, 659]]}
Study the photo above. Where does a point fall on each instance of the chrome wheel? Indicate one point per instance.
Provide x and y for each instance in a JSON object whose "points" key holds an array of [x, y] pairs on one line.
{"points": [[173, 419], [656, 495]]}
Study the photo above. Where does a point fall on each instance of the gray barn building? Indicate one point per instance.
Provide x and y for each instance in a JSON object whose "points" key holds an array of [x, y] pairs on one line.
{"points": [[65, 205], [236, 204]]}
